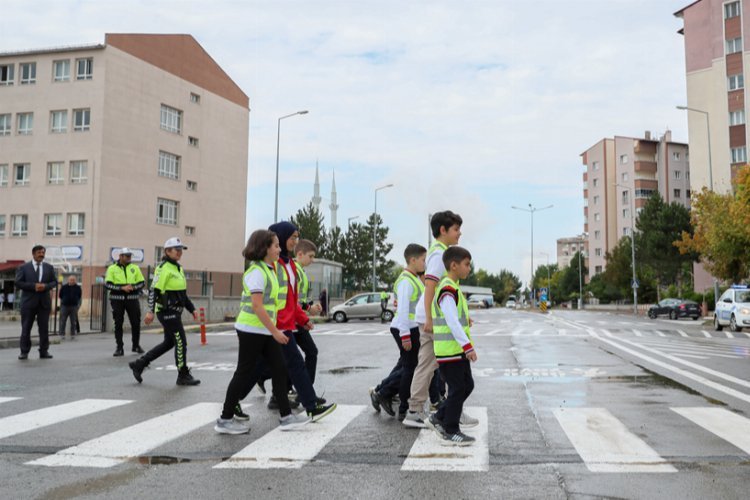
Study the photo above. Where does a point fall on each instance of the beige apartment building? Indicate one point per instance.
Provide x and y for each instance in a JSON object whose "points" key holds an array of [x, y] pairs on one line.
{"points": [[567, 248], [125, 143], [621, 174]]}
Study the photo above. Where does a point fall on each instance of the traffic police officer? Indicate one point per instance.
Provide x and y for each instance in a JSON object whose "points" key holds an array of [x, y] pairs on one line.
{"points": [[124, 281]]}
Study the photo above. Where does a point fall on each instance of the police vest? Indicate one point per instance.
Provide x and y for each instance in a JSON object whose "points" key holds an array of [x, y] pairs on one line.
{"points": [[417, 290], [128, 275], [303, 286], [445, 345], [168, 277], [270, 297]]}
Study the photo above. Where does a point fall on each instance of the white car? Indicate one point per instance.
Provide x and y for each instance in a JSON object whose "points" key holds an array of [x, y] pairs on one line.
{"points": [[510, 304], [733, 309]]}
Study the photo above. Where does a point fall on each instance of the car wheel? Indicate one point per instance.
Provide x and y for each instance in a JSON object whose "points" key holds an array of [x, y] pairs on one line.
{"points": [[733, 324], [339, 317], [652, 314], [672, 315], [388, 316], [717, 325]]}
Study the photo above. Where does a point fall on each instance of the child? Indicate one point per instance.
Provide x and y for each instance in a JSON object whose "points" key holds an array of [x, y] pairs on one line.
{"points": [[258, 337], [453, 347], [304, 256]]}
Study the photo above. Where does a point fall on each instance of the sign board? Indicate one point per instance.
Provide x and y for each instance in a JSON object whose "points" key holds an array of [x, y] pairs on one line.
{"points": [[635, 284], [65, 252], [114, 253]]}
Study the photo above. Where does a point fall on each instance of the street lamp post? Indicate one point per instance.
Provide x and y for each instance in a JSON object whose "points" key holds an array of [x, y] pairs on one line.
{"points": [[350, 219], [278, 138], [531, 210], [634, 284], [374, 234]]}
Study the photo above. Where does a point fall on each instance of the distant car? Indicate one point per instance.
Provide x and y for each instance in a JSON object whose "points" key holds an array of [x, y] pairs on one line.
{"points": [[363, 306], [510, 304], [675, 309], [733, 309], [478, 301]]}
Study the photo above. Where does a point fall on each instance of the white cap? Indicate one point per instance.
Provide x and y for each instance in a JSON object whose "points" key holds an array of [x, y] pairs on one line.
{"points": [[126, 251], [174, 243]]}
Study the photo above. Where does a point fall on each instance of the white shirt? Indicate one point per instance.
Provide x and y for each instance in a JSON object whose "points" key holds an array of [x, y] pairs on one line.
{"points": [[450, 311], [255, 282], [434, 270], [401, 321]]}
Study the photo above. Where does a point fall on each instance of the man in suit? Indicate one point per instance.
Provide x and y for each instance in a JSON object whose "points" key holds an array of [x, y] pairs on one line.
{"points": [[36, 279]]}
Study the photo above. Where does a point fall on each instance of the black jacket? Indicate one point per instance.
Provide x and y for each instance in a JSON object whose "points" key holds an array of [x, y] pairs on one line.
{"points": [[27, 278]]}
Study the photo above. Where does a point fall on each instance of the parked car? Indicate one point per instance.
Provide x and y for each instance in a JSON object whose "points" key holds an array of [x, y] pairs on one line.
{"points": [[733, 309], [363, 306], [478, 302], [510, 304], [675, 309]]}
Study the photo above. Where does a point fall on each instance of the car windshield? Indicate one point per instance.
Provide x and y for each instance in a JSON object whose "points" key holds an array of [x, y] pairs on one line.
{"points": [[743, 296]]}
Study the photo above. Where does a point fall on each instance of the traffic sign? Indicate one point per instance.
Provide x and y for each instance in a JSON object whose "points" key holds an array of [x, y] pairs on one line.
{"points": [[635, 284]]}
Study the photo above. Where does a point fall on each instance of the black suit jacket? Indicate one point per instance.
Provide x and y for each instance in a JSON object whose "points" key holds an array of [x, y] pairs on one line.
{"points": [[26, 280]]}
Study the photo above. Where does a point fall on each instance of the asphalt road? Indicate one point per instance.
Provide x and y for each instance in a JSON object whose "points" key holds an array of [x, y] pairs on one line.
{"points": [[572, 405]]}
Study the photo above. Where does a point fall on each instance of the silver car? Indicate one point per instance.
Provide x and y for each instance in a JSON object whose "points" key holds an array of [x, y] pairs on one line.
{"points": [[363, 306]]}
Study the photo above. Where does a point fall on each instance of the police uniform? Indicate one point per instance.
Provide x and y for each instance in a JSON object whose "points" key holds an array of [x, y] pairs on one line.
{"points": [[119, 276]]}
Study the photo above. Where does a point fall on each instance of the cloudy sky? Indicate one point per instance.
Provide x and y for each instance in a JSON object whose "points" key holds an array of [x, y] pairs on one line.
{"points": [[469, 106]]}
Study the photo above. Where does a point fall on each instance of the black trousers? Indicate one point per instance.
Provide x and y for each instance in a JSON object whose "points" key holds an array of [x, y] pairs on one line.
{"points": [[408, 360], [174, 336], [307, 344], [69, 312], [254, 346], [133, 308], [457, 375], [28, 315]]}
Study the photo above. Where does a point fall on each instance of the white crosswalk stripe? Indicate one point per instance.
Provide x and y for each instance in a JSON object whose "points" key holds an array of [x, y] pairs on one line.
{"points": [[7, 400], [729, 426]]}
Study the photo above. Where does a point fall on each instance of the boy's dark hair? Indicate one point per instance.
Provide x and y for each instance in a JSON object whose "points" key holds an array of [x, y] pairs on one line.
{"points": [[413, 250], [305, 246], [444, 219], [455, 254], [258, 244]]}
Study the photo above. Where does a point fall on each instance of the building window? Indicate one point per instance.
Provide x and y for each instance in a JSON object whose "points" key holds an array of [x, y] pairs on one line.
{"points": [[189, 230], [195, 98], [597, 217], [595, 165], [731, 9], [78, 172], [598, 269], [55, 174], [625, 213], [736, 82], [23, 172], [158, 254], [643, 193], [623, 159], [678, 174], [734, 45], [4, 175], [625, 197], [169, 165], [626, 231], [59, 121], [52, 224], [28, 73], [19, 225], [596, 200], [25, 123], [193, 141], [5, 124], [171, 119], [166, 212], [739, 155], [597, 234], [61, 70], [598, 252], [676, 155], [677, 193], [85, 68], [2, 225], [687, 175], [6, 74], [192, 186], [595, 182], [81, 120], [737, 117], [76, 224], [624, 177]]}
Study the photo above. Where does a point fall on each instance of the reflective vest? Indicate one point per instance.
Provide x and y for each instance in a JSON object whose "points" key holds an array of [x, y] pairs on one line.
{"points": [[128, 275], [437, 246], [303, 286], [417, 290], [270, 297], [445, 344], [281, 276]]}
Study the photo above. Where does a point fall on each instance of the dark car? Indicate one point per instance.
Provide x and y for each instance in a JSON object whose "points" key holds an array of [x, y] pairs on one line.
{"points": [[675, 309]]}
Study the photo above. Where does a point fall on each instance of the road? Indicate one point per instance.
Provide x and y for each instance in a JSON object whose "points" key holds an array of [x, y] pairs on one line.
{"points": [[572, 405]]}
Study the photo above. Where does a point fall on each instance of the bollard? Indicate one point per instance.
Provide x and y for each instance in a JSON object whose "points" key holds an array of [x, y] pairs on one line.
{"points": [[203, 326]]}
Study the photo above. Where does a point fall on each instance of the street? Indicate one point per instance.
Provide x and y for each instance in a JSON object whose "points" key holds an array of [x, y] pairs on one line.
{"points": [[571, 405]]}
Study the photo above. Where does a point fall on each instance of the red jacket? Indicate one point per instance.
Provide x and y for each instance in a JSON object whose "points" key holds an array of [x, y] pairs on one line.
{"points": [[292, 315]]}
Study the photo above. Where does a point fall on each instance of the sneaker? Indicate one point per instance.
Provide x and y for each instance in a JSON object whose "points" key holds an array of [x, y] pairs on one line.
{"points": [[374, 399], [320, 401], [415, 419], [230, 426], [386, 404], [435, 424], [137, 366], [118, 352], [468, 421], [239, 414], [138, 349], [457, 439], [320, 411], [274, 405], [294, 421], [262, 386], [434, 406], [401, 416]]}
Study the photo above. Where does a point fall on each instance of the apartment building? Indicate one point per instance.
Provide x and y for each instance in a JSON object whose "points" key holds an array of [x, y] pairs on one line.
{"points": [[567, 248], [124, 143]]}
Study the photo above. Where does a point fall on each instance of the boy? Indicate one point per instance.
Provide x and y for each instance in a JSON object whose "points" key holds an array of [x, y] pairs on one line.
{"points": [[453, 347], [304, 256]]}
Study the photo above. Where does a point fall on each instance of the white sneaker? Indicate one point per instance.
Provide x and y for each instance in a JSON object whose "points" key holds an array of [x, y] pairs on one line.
{"points": [[294, 421], [230, 426], [415, 419], [467, 420]]}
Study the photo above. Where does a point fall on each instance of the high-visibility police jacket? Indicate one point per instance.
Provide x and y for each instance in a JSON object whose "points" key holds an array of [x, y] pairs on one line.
{"points": [[119, 276], [247, 320], [303, 287], [169, 289], [445, 345], [417, 289]]}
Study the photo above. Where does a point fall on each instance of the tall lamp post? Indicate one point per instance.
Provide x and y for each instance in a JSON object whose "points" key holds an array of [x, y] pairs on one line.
{"points": [[634, 284], [350, 219], [278, 137], [531, 210], [374, 234]]}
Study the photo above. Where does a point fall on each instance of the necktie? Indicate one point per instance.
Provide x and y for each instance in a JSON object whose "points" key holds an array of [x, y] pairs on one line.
{"points": [[38, 273]]}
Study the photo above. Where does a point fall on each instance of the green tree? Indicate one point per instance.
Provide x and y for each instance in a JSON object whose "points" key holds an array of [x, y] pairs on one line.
{"points": [[309, 221], [569, 281], [357, 257], [335, 246], [382, 265]]}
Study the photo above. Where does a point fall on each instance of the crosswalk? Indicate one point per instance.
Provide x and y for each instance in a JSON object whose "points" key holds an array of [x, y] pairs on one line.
{"points": [[603, 441]]}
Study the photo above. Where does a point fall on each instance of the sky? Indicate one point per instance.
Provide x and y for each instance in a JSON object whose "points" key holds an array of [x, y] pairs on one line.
{"points": [[466, 106]]}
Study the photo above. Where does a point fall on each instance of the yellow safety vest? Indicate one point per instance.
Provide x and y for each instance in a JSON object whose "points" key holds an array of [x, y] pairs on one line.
{"points": [[417, 291], [270, 297], [281, 276], [445, 344], [119, 275], [303, 286]]}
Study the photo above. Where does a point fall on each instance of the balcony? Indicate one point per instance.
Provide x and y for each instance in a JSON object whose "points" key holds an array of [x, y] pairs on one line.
{"points": [[646, 184], [645, 167], [645, 147]]}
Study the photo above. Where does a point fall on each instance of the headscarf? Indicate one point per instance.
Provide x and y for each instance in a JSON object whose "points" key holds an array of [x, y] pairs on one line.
{"points": [[284, 230]]}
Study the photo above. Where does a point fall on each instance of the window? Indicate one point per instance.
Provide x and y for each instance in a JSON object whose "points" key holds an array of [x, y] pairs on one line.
{"points": [[2, 225], [58, 121], [739, 155], [624, 177], [23, 172], [192, 186], [598, 269], [737, 117], [687, 175], [4, 175], [19, 225], [598, 252], [61, 70], [625, 213], [169, 165], [687, 193], [678, 174], [193, 141], [52, 224], [195, 98], [625, 197], [28, 73], [595, 165], [55, 174], [734, 45], [595, 182], [76, 224], [6, 74], [166, 212], [596, 200], [158, 254], [5, 121], [597, 217], [171, 119], [731, 9], [736, 82], [676, 155], [78, 172], [626, 231], [643, 193], [25, 123], [597, 235], [189, 230], [677, 193], [84, 68], [81, 120], [638, 211], [623, 159]]}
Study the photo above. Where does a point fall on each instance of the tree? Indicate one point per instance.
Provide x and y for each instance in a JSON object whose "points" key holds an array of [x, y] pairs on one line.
{"points": [[543, 279], [357, 258], [335, 246], [309, 221], [570, 280], [382, 265]]}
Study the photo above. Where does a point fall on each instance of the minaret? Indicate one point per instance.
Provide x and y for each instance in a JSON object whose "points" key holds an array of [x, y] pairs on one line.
{"points": [[333, 206], [316, 199]]}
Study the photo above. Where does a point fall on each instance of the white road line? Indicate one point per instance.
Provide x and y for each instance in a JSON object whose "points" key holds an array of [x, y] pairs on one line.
{"points": [[728, 334], [725, 424], [706, 334], [491, 333], [6, 400], [690, 355], [637, 333], [659, 333], [745, 334], [538, 332], [701, 347], [291, 450], [428, 453], [120, 446], [24, 422], [605, 444], [682, 333]]}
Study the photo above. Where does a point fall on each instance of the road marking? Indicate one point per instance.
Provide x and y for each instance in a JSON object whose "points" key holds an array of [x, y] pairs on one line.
{"points": [[538, 332], [706, 334], [605, 444], [728, 334], [659, 333], [123, 445], [430, 454], [492, 332], [291, 450], [746, 334], [682, 333], [637, 333], [701, 349], [689, 355], [727, 425], [29, 421], [6, 400]]}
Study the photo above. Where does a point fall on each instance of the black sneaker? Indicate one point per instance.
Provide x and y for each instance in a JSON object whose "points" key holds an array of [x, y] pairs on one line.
{"points": [[386, 404], [239, 414], [401, 416], [118, 352], [185, 378], [262, 386], [137, 366], [320, 411], [457, 439], [138, 349], [374, 399], [320, 401], [274, 405], [436, 425]]}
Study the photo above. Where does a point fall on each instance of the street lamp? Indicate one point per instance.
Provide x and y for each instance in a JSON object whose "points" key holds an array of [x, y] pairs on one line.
{"points": [[374, 234], [350, 219], [549, 280], [531, 210], [278, 134], [634, 284]]}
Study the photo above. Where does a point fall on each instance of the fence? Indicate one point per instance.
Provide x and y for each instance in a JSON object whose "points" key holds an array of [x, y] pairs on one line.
{"points": [[98, 308]]}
